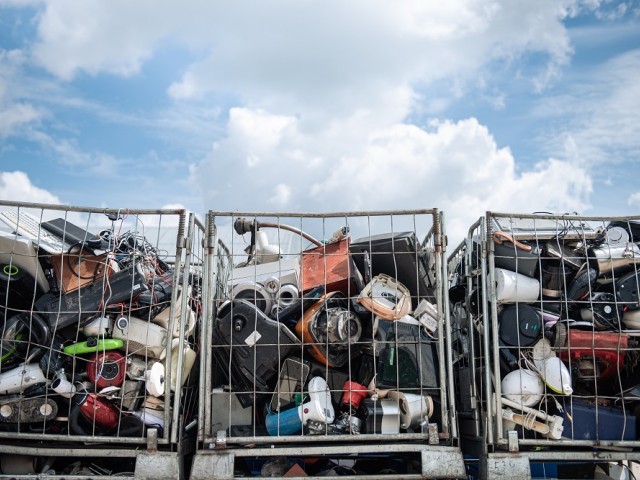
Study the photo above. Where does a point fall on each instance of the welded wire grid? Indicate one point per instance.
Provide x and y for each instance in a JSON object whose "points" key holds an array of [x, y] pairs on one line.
{"points": [[192, 311], [562, 296], [467, 301], [95, 315], [287, 330]]}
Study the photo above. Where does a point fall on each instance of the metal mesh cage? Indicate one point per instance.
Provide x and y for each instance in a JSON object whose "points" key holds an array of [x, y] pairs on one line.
{"points": [[544, 314], [100, 310], [327, 328]]}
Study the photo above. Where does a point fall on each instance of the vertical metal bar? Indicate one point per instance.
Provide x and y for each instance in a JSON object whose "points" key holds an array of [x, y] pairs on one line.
{"points": [[437, 236], [206, 342], [169, 430], [489, 323], [447, 319], [201, 330], [468, 264], [183, 319], [206, 268]]}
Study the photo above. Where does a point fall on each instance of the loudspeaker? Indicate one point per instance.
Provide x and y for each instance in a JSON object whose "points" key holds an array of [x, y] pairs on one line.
{"points": [[251, 345]]}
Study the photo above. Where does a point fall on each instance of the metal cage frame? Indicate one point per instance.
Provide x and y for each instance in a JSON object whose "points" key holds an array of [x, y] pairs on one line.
{"points": [[157, 455], [217, 449], [477, 358]]}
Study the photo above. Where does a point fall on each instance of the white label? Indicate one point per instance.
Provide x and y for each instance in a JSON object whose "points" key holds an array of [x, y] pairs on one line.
{"points": [[252, 339], [429, 323]]}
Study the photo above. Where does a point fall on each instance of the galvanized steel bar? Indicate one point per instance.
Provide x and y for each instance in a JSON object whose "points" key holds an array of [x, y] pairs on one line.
{"points": [[207, 303], [337, 449], [75, 452], [437, 239], [453, 416], [555, 217], [206, 363], [571, 455], [469, 252], [186, 271], [169, 431], [73, 208], [489, 290], [372, 213], [50, 437]]}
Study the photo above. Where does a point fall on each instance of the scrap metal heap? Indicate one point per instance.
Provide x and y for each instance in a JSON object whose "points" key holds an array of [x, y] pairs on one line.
{"points": [[546, 314], [87, 323], [340, 339]]}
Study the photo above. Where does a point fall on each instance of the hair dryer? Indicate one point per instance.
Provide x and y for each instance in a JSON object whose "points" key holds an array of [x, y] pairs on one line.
{"points": [[318, 411]]}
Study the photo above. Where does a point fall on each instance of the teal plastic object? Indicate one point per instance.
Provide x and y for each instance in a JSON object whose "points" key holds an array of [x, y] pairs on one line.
{"points": [[285, 423]]}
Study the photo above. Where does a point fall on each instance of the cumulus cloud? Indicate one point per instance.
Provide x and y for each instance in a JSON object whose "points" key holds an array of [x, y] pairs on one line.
{"points": [[454, 166], [320, 96], [334, 55], [89, 38], [17, 187]]}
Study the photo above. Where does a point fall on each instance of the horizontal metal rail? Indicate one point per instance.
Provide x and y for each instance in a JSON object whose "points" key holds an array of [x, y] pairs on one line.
{"points": [[550, 216], [362, 438], [74, 208], [373, 213], [69, 451], [333, 449]]}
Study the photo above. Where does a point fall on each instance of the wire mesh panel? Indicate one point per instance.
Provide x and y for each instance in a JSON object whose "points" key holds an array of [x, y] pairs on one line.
{"points": [[328, 328], [549, 309], [470, 365], [98, 310]]}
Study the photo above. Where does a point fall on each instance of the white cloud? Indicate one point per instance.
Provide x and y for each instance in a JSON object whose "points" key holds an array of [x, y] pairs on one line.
{"points": [[334, 56], [259, 129], [95, 36], [634, 200], [82, 162], [16, 113], [165, 220], [316, 86], [17, 187], [321, 94], [595, 123], [282, 194], [456, 167]]}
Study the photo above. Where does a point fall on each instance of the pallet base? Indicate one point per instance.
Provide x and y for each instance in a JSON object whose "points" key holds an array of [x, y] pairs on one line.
{"points": [[439, 462]]}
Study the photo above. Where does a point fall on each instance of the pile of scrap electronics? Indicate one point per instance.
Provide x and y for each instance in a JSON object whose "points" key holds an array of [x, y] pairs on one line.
{"points": [[566, 296], [338, 338], [87, 328]]}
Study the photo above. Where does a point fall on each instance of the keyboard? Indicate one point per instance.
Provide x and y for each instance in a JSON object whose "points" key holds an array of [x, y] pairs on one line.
{"points": [[28, 226]]}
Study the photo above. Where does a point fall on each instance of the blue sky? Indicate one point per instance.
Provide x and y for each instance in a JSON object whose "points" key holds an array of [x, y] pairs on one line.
{"points": [[291, 105]]}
